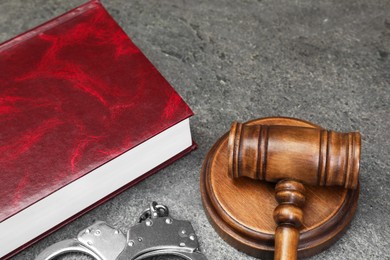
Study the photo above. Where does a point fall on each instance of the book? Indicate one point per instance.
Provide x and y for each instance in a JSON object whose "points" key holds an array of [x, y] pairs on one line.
{"points": [[83, 116]]}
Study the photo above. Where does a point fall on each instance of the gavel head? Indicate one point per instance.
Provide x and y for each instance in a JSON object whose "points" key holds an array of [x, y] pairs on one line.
{"points": [[310, 155]]}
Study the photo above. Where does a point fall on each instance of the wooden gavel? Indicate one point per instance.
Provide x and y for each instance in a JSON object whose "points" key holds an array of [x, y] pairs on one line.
{"points": [[292, 156]]}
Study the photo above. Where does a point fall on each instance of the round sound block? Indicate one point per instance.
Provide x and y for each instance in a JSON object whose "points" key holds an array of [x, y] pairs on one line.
{"points": [[241, 210]]}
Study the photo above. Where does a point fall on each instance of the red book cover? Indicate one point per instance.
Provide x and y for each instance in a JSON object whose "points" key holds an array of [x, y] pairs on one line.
{"points": [[75, 93]]}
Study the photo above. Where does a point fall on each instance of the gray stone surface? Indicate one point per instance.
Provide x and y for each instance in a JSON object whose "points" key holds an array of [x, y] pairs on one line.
{"points": [[323, 61]]}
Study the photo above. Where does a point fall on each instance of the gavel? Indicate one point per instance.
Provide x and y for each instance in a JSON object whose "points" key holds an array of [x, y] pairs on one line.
{"points": [[293, 157]]}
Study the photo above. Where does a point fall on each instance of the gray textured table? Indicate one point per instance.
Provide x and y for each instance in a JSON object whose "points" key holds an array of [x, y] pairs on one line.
{"points": [[324, 61]]}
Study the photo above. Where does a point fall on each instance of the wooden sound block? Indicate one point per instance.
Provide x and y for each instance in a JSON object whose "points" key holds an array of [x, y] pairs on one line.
{"points": [[241, 210]]}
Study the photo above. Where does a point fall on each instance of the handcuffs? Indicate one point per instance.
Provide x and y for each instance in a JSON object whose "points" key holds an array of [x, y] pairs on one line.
{"points": [[155, 234]]}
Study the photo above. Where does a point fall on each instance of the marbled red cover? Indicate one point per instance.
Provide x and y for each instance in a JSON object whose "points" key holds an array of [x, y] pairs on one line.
{"points": [[75, 93]]}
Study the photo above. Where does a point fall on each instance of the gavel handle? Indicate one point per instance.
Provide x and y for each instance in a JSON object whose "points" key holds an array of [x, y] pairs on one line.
{"points": [[286, 242], [288, 216]]}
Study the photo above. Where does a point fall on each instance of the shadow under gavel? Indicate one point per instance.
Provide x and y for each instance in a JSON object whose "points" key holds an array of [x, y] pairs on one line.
{"points": [[291, 157]]}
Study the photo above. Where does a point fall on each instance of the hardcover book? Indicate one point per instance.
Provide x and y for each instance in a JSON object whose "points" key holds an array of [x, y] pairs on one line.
{"points": [[83, 116]]}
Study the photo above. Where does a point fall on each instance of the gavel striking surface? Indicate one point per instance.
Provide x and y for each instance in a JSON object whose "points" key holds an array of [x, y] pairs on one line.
{"points": [[241, 210]]}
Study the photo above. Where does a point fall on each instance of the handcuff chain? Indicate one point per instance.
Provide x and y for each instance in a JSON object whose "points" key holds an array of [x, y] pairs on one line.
{"points": [[154, 211]]}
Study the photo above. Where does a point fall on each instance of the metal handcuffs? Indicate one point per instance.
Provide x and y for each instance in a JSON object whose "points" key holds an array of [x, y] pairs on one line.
{"points": [[156, 233]]}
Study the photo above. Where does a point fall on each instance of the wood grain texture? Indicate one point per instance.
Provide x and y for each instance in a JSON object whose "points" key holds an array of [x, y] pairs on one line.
{"points": [[241, 210], [311, 155], [288, 216]]}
